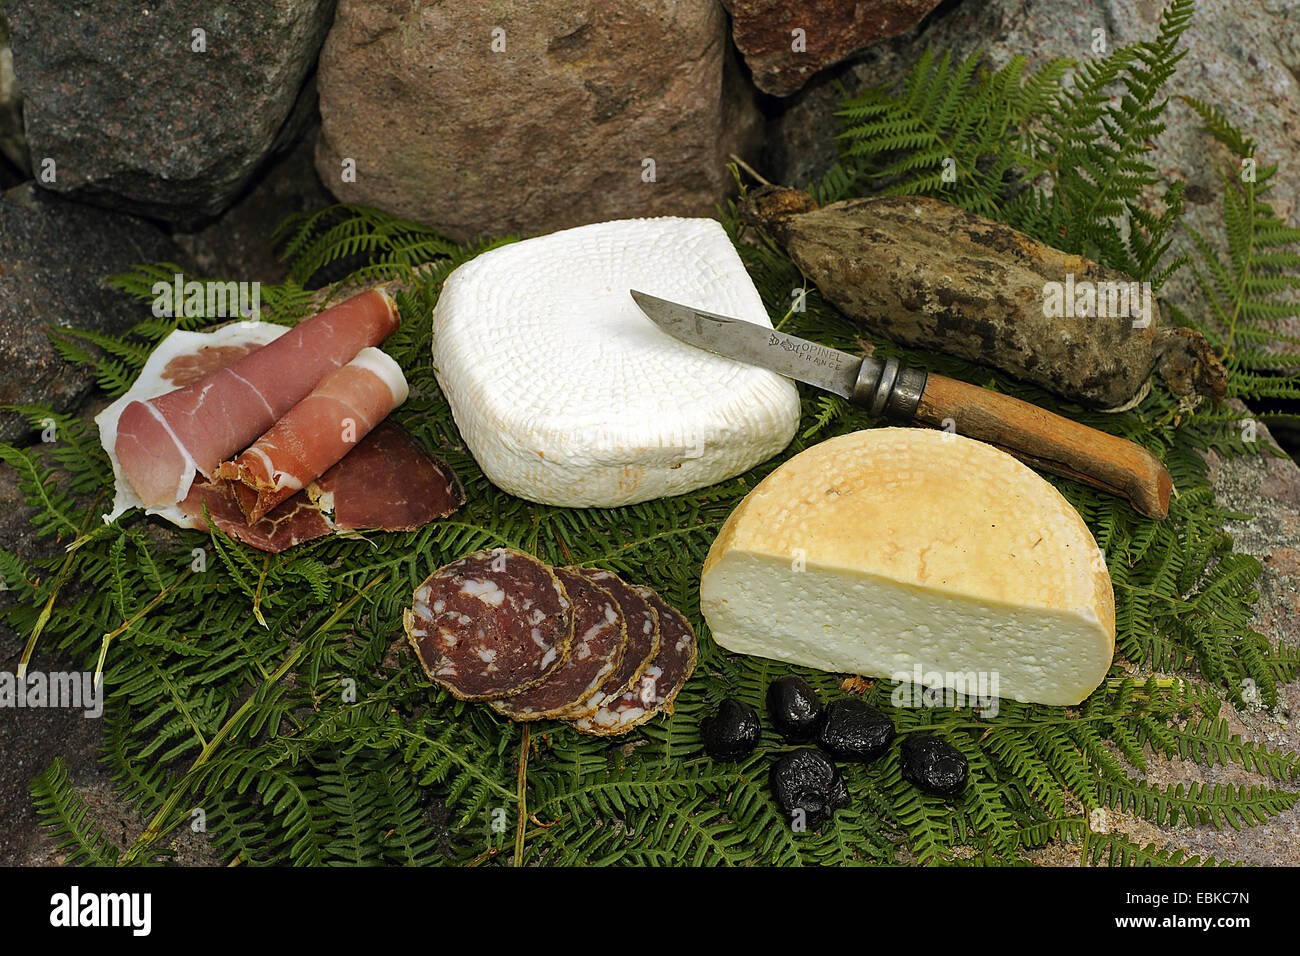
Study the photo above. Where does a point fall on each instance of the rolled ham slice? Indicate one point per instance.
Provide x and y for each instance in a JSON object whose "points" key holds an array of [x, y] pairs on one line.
{"points": [[316, 433], [162, 442], [388, 482], [181, 359]]}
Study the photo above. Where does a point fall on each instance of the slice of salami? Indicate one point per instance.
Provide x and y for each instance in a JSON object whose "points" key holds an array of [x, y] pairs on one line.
{"points": [[599, 640], [642, 639], [491, 624], [658, 686]]}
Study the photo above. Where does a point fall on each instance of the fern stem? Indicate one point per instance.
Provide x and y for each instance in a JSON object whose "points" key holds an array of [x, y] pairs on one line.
{"points": [[127, 624], [636, 544], [1248, 257], [257, 594], [748, 168], [30, 647], [89, 536], [522, 798], [181, 705], [1166, 683], [485, 855], [564, 548], [1004, 724]]}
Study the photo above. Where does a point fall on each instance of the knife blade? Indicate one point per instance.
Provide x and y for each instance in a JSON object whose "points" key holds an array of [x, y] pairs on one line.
{"points": [[827, 368], [909, 396]]}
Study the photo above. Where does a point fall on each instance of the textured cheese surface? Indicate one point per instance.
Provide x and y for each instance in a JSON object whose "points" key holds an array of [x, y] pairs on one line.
{"points": [[888, 549], [567, 394]]}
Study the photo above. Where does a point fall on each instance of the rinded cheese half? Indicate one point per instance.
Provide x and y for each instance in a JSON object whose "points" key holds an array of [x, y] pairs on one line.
{"points": [[564, 391], [894, 551]]}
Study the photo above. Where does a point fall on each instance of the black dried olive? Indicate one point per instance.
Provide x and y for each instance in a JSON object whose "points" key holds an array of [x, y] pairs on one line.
{"points": [[808, 788], [731, 733], [933, 764], [854, 730], [793, 708]]}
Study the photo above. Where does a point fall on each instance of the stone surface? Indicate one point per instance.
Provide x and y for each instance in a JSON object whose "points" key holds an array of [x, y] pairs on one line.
{"points": [[801, 139], [1254, 83], [13, 144], [54, 255], [782, 60], [135, 117], [238, 244], [552, 131]]}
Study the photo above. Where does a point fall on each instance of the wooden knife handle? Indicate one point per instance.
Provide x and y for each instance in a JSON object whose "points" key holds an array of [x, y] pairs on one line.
{"points": [[1047, 441]]}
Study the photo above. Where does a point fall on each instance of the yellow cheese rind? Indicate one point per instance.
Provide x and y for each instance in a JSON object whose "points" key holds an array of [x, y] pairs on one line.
{"points": [[890, 549]]}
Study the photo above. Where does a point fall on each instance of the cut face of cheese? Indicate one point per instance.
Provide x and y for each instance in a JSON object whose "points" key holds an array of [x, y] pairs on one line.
{"points": [[894, 551], [566, 394]]}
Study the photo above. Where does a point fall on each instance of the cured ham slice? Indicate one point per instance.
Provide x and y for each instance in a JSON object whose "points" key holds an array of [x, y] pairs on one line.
{"points": [[181, 359], [294, 522], [162, 442], [387, 482], [316, 433]]}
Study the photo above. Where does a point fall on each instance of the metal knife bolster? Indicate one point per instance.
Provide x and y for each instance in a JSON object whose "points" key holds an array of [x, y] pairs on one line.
{"points": [[886, 388]]}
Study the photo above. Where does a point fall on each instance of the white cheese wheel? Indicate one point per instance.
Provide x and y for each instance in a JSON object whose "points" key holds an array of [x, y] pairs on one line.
{"points": [[895, 552], [567, 394]]}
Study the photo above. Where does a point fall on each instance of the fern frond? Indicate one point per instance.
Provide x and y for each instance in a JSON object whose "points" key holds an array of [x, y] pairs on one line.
{"points": [[1114, 849], [1198, 804], [1245, 296], [65, 815], [954, 132], [311, 735]]}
